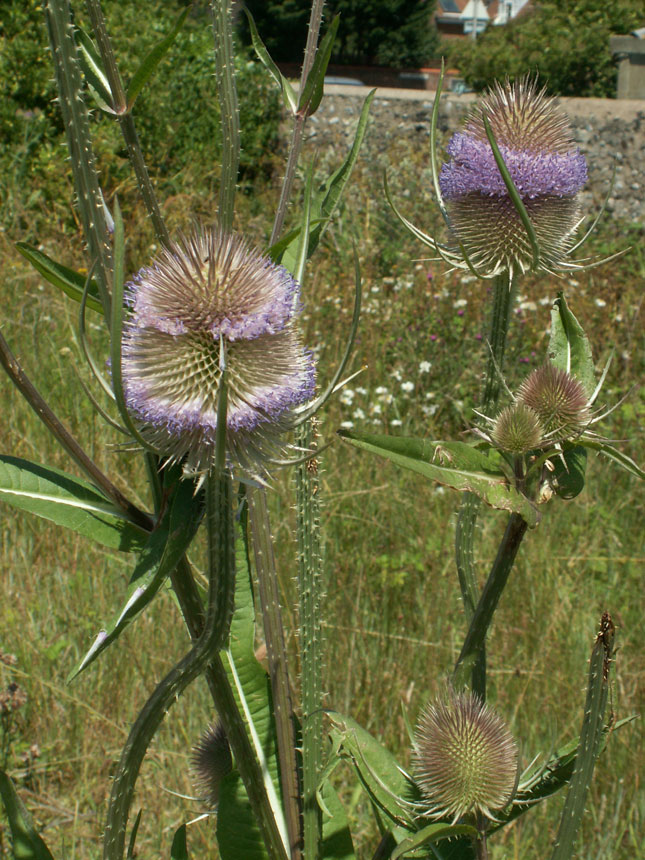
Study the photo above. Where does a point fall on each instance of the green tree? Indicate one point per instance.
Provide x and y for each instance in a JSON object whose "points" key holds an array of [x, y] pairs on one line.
{"points": [[381, 32], [566, 42]]}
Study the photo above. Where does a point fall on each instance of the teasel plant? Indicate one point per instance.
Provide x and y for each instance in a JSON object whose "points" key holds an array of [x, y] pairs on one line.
{"points": [[508, 194], [211, 383]]}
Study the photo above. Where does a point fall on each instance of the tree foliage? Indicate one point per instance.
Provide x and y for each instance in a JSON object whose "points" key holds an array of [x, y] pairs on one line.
{"points": [[395, 33], [566, 42]]}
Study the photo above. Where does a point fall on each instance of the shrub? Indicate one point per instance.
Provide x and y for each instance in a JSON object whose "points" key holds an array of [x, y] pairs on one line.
{"points": [[565, 41]]}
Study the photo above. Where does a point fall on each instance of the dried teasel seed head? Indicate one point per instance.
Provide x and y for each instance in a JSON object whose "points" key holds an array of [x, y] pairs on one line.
{"points": [[558, 399], [517, 429], [465, 759]]}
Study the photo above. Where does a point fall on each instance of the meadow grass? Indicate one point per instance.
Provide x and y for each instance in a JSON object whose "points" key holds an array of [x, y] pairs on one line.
{"points": [[392, 612]]}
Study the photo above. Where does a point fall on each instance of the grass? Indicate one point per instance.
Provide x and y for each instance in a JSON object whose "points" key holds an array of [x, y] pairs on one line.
{"points": [[392, 611]]}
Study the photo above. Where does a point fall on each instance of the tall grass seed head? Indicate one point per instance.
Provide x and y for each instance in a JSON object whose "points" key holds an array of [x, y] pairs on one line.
{"points": [[535, 141], [558, 399], [204, 287], [517, 429], [465, 759]]}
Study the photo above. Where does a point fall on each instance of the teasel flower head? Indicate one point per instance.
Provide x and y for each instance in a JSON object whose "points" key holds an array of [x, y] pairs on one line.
{"points": [[207, 294], [558, 399], [517, 429], [211, 761], [547, 170], [465, 759]]}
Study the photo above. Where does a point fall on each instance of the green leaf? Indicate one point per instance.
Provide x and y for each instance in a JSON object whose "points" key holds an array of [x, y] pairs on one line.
{"points": [[591, 738], [130, 855], [237, 832], [288, 93], [337, 838], [569, 347], [615, 455], [92, 68], [68, 501], [513, 193], [312, 92], [332, 191], [152, 60], [70, 282], [26, 843], [568, 477], [453, 464], [432, 833], [165, 547], [179, 848], [378, 771]]}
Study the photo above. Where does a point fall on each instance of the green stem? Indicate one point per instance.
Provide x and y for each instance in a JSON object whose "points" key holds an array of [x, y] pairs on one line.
{"points": [[227, 93], [278, 666], [66, 440], [221, 548], [79, 141], [310, 588], [299, 121], [126, 121], [492, 591], [503, 295]]}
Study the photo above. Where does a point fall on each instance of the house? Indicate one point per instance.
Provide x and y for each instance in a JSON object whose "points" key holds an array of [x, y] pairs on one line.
{"points": [[456, 19]]}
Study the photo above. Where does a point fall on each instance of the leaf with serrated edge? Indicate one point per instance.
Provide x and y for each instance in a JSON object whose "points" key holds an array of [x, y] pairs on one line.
{"points": [[453, 464], [69, 502]]}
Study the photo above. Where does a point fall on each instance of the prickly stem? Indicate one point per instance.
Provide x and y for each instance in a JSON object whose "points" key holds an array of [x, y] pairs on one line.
{"points": [[77, 129], [227, 93], [503, 294], [310, 587], [278, 666], [213, 637]]}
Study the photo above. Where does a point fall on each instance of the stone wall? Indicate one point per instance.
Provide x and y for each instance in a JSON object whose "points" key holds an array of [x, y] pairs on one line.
{"points": [[609, 132]]}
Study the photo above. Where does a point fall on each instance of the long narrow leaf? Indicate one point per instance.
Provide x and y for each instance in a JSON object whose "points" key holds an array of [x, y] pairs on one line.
{"points": [[151, 61], [92, 66], [67, 501], [312, 92], [614, 455], [334, 187], [288, 93], [167, 544], [70, 282], [453, 464], [27, 844]]}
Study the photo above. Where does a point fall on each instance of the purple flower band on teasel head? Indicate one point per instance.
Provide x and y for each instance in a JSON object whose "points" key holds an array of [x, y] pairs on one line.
{"points": [[214, 281], [472, 168], [209, 295]]}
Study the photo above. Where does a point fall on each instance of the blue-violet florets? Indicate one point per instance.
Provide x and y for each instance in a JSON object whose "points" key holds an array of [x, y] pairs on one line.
{"points": [[534, 139], [208, 286]]}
